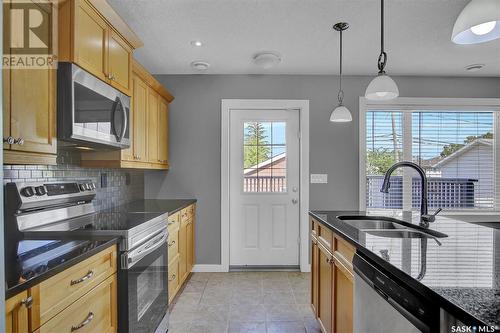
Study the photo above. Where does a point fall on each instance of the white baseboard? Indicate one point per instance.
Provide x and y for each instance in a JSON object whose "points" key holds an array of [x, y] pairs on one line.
{"points": [[305, 268], [208, 268]]}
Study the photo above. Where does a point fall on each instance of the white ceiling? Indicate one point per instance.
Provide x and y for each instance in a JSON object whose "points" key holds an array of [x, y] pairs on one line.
{"points": [[418, 36]]}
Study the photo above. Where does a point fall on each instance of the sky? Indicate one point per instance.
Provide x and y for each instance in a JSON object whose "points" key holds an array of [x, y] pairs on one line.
{"points": [[276, 136]]}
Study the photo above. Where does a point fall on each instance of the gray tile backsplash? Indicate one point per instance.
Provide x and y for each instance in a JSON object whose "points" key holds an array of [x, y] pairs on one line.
{"points": [[117, 191]]}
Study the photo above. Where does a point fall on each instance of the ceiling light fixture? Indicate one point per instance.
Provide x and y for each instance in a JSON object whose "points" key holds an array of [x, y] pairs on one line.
{"points": [[196, 43], [200, 66], [340, 114], [478, 22], [266, 60], [382, 87]]}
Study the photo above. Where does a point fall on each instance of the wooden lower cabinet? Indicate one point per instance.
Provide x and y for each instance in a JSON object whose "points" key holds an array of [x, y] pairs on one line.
{"points": [[81, 298], [332, 281], [180, 248], [94, 312], [16, 309]]}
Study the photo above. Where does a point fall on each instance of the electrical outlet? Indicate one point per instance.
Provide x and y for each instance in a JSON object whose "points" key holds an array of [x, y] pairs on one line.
{"points": [[319, 178], [104, 180]]}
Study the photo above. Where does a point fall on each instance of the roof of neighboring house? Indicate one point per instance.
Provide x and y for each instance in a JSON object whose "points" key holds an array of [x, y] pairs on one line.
{"points": [[265, 163], [463, 150]]}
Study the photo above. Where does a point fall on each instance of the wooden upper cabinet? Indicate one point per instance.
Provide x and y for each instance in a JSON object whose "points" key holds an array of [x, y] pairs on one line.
{"points": [[16, 310], [163, 131], [138, 129], [29, 115], [90, 38], [119, 62], [152, 126]]}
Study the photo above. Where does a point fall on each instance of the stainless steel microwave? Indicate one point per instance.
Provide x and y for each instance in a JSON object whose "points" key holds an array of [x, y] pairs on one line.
{"points": [[90, 112]]}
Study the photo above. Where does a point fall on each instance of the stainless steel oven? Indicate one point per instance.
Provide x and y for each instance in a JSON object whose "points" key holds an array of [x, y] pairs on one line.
{"points": [[143, 287], [91, 113]]}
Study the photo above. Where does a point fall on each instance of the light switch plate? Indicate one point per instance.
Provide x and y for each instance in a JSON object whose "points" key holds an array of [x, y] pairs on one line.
{"points": [[319, 178]]}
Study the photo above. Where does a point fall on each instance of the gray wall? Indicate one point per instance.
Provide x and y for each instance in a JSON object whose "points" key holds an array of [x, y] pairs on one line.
{"points": [[195, 137]]}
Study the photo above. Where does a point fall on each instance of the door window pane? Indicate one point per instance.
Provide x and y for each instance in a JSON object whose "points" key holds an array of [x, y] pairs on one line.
{"points": [[264, 157]]}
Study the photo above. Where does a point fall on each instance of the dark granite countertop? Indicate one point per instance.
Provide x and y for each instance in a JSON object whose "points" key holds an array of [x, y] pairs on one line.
{"points": [[33, 261], [462, 273]]}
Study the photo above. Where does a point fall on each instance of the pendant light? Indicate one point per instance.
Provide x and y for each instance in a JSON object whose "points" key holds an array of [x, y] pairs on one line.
{"points": [[340, 114], [478, 22], [382, 87]]}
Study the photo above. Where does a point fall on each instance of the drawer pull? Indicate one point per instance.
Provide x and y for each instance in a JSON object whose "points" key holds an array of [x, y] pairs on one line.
{"points": [[171, 243], [83, 278], [171, 222], [27, 302], [172, 278], [87, 321]]}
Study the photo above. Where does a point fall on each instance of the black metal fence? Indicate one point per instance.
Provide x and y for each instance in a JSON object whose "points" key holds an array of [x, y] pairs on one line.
{"points": [[443, 192]]}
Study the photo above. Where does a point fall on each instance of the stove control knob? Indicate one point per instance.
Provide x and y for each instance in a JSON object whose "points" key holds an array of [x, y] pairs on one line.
{"points": [[40, 190], [82, 187], [87, 187], [92, 186], [28, 191]]}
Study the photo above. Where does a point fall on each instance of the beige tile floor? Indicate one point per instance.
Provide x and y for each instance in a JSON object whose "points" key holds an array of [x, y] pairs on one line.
{"points": [[244, 302]]}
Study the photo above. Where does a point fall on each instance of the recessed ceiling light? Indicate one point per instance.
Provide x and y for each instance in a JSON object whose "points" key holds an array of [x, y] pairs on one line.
{"points": [[196, 43], [266, 60], [200, 66], [474, 67]]}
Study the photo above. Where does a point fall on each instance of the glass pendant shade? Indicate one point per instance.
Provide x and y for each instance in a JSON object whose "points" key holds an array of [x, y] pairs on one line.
{"points": [[382, 88], [478, 22], [341, 114]]}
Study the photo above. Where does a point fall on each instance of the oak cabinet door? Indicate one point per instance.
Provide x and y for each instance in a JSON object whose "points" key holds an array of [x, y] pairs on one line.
{"points": [[152, 126], [190, 246], [173, 278], [343, 290], [314, 276], [137, 150], [163, 131], [183, 242], [325, 290], [16, 319], [119, 62], [32, 110], [90, 40]]}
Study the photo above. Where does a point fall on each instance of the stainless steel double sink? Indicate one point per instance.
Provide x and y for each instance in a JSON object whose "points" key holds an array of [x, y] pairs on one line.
{"points": [[389, 227]]}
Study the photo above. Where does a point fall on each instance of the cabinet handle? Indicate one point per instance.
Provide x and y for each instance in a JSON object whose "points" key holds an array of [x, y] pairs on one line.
{"points": [[83, 278], [19, 141], [10, 140], [111, 76], [330, 260], [172, 278], [171, 243], [27, 302], [87, 321], [171, 222]]}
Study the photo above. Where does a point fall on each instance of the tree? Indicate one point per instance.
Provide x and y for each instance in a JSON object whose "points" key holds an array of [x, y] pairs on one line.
{"points": [[256, 149], [379, 161], [453, 147]]}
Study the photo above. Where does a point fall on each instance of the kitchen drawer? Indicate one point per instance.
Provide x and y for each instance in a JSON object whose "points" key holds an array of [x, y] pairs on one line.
{"points": [[173, 278], [174, 221], [313, 228], [187, 213], [173, 244], [94, 312], [325, 236], [345, 249], [55, 294]]}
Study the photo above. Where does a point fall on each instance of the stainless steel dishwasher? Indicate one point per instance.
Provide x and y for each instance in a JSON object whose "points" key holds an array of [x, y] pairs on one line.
{"points": [[381, 305]]}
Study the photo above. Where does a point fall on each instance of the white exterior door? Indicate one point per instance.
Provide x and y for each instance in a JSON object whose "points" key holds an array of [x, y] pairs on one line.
{"points": [[264, 184]]}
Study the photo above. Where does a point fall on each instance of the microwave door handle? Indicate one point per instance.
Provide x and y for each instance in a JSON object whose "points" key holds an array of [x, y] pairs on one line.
{"points": [[125, 122]]}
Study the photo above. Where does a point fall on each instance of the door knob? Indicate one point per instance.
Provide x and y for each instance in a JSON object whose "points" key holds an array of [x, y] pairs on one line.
{"points": [[295, 201]]}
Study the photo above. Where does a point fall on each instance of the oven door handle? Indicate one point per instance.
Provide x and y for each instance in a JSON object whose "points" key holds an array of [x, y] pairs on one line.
{"points": [[129, 259]]}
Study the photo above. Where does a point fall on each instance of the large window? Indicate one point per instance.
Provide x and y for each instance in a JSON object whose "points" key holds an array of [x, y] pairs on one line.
{"points": [[455, 145]]}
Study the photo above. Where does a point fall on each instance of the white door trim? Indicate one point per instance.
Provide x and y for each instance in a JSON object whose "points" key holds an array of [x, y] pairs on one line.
{"points": [[303, 106]]}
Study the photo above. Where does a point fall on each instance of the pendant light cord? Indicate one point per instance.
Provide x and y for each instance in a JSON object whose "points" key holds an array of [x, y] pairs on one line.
{"points": [[382, 58], [340, 95]]}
